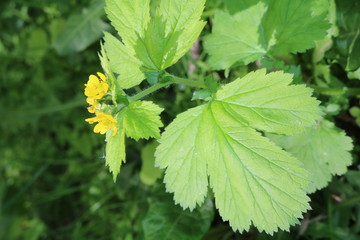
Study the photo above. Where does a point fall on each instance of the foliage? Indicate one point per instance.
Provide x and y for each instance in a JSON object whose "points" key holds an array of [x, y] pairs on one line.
{"points": [[257, 28], [218, 138], [249, 135], [320, 149]]}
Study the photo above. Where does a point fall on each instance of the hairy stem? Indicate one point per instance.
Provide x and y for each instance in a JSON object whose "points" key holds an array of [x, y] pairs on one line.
{"points": [[148, 91], [113, 88], [158, 86], [188, 82]]}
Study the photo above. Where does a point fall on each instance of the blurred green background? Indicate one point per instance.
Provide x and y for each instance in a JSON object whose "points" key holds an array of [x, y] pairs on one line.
{"points": [[53, 181]]}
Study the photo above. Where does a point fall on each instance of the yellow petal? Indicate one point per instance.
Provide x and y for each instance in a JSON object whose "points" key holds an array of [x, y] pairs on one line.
{"points": [[93, 78], [105, 87], [91, 120], [90, 92], [106, 122], [102, 76], [91, 101], [98, 128], [92, 109]]}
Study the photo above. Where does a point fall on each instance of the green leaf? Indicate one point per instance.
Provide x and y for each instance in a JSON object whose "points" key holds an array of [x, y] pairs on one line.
{"points": [[178, 153], [129, 17], [104, 60], [149, 173], [234, 6], [325, 44], [202, 94], [153, 77], [322, 74], [233, 41], [150, 44], [157, 42], [182, 16], [264, 27], [324, 150], [170, 33], [156, 45], [267, 102], [294, 25], [142, 120], [138, 120], [81, 30], [354, 75], [353, 62], [168, 222], [250, 174], [253, 179], [123, 62], [272, 65], [115, 147], [211, 84]]}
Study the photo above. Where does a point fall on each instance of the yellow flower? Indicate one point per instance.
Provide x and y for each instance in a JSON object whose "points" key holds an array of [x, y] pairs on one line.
{"points": [[93, 104], [105, 121], [96, 87], [92, 108]]}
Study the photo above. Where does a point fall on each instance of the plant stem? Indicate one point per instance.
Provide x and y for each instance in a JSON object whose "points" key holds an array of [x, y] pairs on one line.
{"points": [[113, 89], [188, 82], [148, 91], [157, 86]]}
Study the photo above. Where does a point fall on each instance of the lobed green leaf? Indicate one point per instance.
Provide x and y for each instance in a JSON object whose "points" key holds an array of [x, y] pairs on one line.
{"points": [[324, 150], [138, 120], [123, 62], [267, 102], [186, 174], [151, 44], [254, 181], [129, 17], [142, 120]]}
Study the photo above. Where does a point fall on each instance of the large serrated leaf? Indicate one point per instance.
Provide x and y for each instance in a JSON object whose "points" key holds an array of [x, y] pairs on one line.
{"points": [[170, 33], [178, 153], [123, 62], [267, 102], [155, 42], [129, 17], [254, 181]]}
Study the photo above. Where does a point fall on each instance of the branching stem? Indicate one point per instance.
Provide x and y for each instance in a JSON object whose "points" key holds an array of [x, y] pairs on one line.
{"points": [[188, 82], [148, 91], [158, 86]]}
